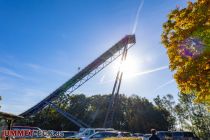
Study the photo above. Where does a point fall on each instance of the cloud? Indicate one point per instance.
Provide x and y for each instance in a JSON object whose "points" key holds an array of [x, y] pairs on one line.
{"points": [[44, 69], [141, 73], [9, 72], [137, 16], [149, 71], [165, 84]]}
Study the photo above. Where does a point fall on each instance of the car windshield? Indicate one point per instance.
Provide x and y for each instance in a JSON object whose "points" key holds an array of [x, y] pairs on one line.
{"points": [[126, 134], [147, 135], [25, 128], [98, 135], [188, 134], [176, 134], [110, 134], [165, 134], [67, 134]]}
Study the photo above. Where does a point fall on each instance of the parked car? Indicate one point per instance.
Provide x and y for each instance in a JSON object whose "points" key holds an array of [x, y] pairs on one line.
{"points": [[26, 128], [125, 134], [69, 133], [82, 129], [138, 135], [106, 134], [146, 136], [181, 135], [165, 135], [90, 131]]}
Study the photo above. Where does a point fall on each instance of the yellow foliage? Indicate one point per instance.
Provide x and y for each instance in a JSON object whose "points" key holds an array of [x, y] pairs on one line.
{"points": [[186, 36]]}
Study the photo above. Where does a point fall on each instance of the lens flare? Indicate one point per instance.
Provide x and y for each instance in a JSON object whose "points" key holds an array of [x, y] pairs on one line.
{"points": [[191, 47]]}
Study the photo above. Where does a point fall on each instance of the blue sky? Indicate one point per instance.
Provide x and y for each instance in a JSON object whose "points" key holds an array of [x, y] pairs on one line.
{"points": [[42, 44]]}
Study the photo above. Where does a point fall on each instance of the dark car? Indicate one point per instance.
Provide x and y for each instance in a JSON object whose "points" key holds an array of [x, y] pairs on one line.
{"points": [[181, 135], [165, 135], [69, 133], [125, 134]]}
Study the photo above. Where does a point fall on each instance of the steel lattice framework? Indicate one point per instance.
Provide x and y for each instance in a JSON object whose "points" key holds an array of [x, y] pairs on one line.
{"points": [[84, 75], [108, 122]]}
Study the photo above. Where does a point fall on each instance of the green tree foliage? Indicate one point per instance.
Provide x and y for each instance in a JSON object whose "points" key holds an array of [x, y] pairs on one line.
{"points": [[186, 115], [193, 117], [186, 36], [132, 114], [140, 115], [166, 105]]}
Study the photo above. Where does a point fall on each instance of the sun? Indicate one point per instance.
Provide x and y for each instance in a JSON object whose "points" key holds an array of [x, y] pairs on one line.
{"points": [[129, 67]]}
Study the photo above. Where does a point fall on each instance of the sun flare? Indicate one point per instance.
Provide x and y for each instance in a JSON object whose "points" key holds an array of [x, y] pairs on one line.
{"points": [[128, 67]]}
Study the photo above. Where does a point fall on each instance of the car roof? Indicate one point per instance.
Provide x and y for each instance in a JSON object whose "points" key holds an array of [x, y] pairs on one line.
{"points": [[69, 131], [182, 131], [100, 129], [147, 135], [164, 132], [104, 132], [108, 132], [25, 126]]}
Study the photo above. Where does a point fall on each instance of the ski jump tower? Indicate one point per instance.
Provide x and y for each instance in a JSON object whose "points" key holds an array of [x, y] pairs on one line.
{"points": [[120, 48]]}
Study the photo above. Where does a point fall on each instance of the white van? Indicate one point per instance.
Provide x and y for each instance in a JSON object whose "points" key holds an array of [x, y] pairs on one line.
{"points": [[90, 131]]}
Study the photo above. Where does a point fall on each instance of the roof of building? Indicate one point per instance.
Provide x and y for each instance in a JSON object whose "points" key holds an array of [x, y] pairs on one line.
{"points": [[9, 116]]}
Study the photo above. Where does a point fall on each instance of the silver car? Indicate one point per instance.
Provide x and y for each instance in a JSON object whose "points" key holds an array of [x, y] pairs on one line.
{"points": [[102, 135]]}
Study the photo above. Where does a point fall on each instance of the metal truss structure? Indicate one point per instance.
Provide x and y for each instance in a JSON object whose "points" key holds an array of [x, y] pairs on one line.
{"points": [[108, 122], [83, 76], [70, 117]]}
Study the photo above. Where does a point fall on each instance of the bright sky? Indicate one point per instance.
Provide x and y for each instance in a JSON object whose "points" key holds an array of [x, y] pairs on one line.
{"points": [[42, 44]]}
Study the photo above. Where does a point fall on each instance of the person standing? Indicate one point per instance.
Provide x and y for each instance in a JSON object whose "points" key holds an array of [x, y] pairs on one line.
{"points": [[154, 136]]}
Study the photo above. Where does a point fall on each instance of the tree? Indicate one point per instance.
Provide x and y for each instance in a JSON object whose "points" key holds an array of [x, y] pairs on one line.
{"points": [[166, 105], [193, 117], [180, 116], [140, 115], [186, 36], [132, 113]]}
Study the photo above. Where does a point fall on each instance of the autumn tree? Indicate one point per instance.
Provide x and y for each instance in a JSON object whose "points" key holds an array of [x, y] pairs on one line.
{"points": [[186, 36]]}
